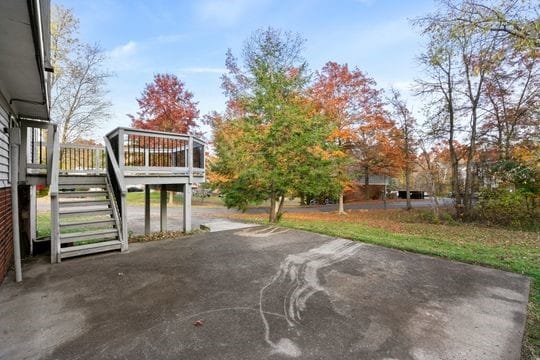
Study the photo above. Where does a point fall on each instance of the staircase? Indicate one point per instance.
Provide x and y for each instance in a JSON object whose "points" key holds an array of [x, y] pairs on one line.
{"points": [[88, 183], [88, 221]]}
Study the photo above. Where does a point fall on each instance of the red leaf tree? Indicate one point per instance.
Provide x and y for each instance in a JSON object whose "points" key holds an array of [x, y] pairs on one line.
{"points": [[166, 105]]}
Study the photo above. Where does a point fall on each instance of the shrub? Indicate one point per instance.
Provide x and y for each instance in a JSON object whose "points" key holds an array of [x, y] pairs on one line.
{"points": [[507, 208]]}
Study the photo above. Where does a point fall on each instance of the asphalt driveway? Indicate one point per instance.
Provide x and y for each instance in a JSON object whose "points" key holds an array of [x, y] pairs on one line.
{"points": [[261, 293]]}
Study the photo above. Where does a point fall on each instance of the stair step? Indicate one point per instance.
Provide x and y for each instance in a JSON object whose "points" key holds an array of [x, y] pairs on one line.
{"points": [[88, 202], [88, 235], [82, 180], [90, 248], [78, 224], [85, 212], [74, 194]]}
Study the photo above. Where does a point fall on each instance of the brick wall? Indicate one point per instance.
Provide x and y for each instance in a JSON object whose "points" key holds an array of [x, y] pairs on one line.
{"points": [[6, 233], [358, 193]]}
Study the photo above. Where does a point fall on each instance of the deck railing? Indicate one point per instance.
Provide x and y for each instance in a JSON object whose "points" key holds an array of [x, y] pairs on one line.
{"points": [[83, 159], [155, 153]]}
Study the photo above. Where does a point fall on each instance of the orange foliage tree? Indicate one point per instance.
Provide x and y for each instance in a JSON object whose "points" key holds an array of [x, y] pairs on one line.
{"points": [[166, 105], [364, 131]]}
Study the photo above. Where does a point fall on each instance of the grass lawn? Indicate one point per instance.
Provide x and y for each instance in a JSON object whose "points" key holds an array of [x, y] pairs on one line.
{"points": [[515, 251]]}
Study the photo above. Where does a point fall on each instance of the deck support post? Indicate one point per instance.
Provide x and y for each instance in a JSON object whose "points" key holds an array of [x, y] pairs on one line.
{"points": [[187, 208], [163, 208], [146, 209]]}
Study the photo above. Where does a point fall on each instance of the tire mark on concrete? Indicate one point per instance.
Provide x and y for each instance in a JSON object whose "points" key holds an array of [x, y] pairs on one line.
{"points": [[300, 273]]}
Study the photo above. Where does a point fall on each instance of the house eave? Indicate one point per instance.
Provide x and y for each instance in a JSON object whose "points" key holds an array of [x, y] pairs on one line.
{"points": [[24, 44]]}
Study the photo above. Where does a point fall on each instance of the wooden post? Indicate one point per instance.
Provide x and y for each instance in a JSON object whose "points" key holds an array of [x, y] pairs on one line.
{"points": [[146, 159], [121, 155], [163, 208], [33, 217], [97, 160], [187, 208], [146, 209], [190, 159], [125, 233], [51, 133]]}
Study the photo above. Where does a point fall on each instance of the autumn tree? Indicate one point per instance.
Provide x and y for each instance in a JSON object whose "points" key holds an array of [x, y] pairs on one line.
{"points": [[166, 105], [78, 85], [350, 100], [270, 142], [512, 100], [515, 21]]}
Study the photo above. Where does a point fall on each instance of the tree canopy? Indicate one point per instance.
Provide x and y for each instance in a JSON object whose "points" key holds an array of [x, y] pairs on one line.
{"points": [[166, 105], [271, 142]]}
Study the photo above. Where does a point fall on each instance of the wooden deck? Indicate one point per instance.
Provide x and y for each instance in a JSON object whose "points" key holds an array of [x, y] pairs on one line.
{"points": [[128, 157]]}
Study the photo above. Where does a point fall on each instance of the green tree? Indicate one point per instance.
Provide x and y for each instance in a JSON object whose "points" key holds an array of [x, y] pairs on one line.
{"points": [[271, 142]]}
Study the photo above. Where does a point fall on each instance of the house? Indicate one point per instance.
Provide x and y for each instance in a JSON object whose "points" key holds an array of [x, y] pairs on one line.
{"points": [[24, 94], [87, 183], [375, 188]]}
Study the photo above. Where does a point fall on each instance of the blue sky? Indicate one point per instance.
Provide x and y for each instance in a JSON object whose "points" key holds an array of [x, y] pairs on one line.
{"points": [[190, 38]]}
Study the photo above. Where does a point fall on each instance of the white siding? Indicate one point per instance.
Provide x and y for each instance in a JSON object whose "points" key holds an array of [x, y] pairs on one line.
{"points": [[4, 148]]}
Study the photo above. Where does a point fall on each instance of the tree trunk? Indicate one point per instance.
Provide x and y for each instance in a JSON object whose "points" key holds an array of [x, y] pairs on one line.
{"points": [[408, 186], [366, 182], [272, 217], [171, 197], [276, 205], [341, 209], [280, 208]]}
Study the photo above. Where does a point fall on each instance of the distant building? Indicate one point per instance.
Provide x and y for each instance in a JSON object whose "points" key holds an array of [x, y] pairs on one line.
{"points": [[375, 188]]}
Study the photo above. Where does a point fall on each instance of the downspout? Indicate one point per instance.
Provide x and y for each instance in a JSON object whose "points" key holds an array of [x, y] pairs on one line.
{"points": [[15, 142]]}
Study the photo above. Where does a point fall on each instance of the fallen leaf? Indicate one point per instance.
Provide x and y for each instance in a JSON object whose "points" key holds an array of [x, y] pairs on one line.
{"points": [[198, 323]]}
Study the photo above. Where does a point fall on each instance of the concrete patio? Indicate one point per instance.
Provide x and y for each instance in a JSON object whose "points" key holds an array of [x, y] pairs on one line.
{"points": [[261, 293]]}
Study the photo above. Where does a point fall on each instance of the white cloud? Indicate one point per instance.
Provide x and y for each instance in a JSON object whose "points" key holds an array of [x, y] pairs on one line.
{"points": [[226, 12], [128, 48]]}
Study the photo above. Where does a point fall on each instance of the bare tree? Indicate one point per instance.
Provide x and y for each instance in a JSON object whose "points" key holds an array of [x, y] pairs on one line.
{"points": [[428, 166], [460, 58], [78, 92], [405, 123], [439, 88]]}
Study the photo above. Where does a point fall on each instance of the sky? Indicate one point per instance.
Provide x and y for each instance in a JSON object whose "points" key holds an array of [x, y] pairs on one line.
{"points": [[190, 39]]}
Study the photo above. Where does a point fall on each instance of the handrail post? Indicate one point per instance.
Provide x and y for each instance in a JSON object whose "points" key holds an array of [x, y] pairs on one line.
{"points": [[53, 193], [121, 155], [190, 159], [97, 160], [50, 150], [125, 234], [146, 158]]}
